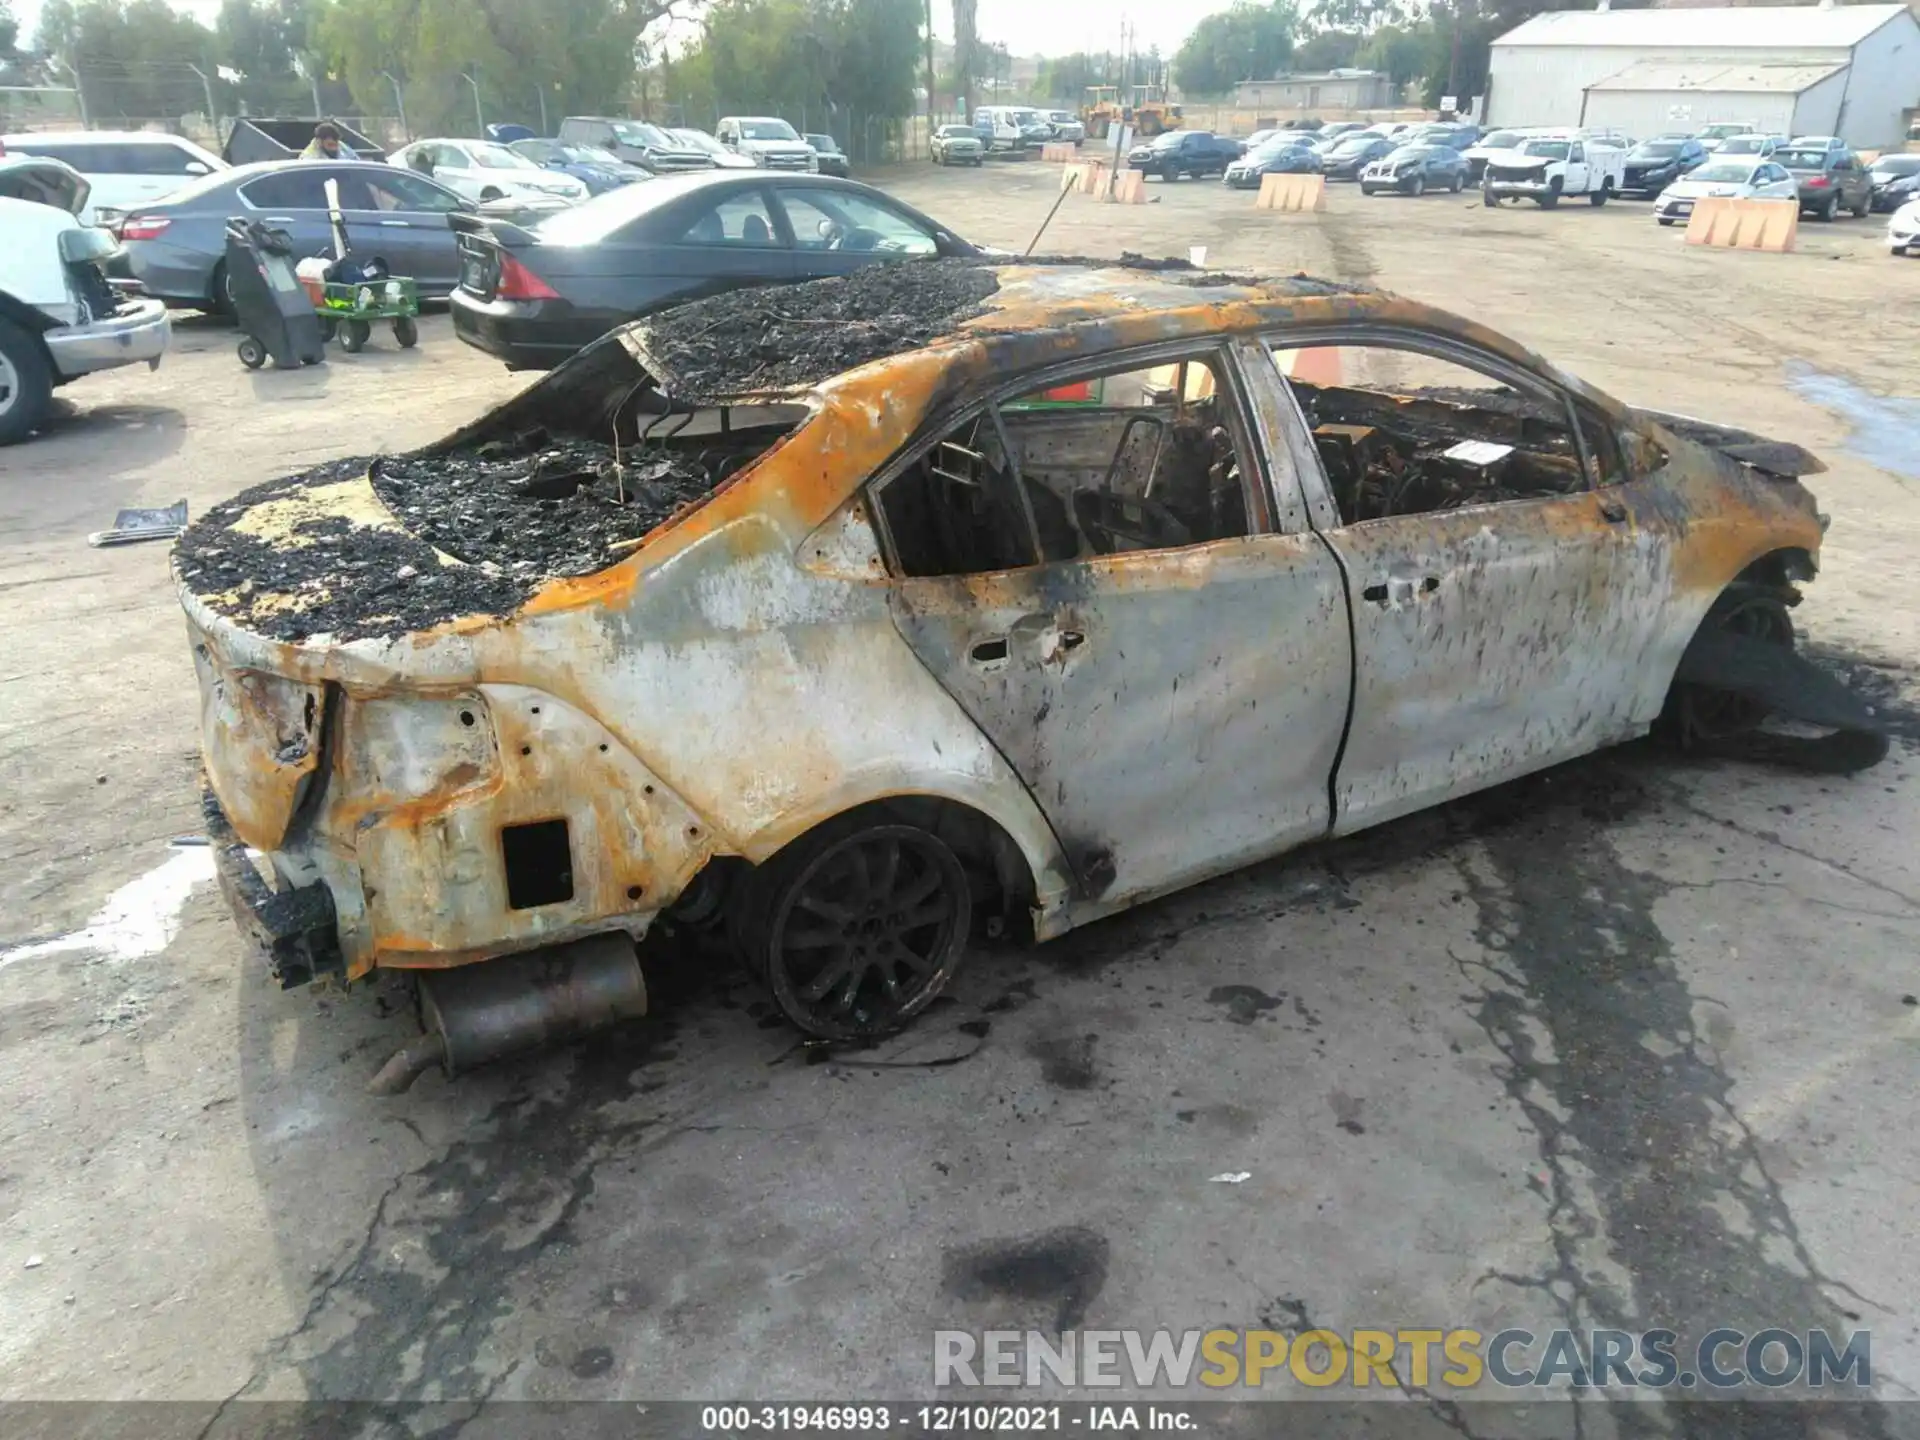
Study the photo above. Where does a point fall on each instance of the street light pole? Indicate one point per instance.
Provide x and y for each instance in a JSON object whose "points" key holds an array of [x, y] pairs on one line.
{"points": [[213, 115], [400, 104], [479, 116]]}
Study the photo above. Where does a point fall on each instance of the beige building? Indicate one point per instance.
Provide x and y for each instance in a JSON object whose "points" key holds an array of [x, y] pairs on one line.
{"points": [[1333, 90]]}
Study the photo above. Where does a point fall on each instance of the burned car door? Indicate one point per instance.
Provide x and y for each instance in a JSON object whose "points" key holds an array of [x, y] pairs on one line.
{"points": [[1090, 567], [1509, 594]]}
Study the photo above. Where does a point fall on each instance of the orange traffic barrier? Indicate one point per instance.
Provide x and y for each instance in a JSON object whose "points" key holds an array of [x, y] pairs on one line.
{"points": [[1771, 225], [1089, 177], [1315, 365], [1129, 188], [1058, 154], [1292, 193]]}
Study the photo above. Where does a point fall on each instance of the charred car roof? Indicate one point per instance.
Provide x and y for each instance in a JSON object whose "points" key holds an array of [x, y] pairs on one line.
{"points": [[794, 338]]}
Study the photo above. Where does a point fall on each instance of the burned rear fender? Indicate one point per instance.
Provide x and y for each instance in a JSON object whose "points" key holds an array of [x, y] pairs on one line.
{"points": [[493, 821]]}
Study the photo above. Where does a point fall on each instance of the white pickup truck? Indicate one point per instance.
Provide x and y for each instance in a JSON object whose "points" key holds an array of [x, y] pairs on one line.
{"points": [[60, 316], [1549, 168]]}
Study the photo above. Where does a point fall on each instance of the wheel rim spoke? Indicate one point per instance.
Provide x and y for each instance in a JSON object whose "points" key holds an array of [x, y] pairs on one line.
{"points": [[919, 890], [930, 912], [914, 961], [825, 909], [888, 871], [831, 974], [812, 937], [843, 1002]]}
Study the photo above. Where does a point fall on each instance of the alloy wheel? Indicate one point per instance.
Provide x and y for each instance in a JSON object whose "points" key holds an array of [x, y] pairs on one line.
{"points": [[867, 932]]}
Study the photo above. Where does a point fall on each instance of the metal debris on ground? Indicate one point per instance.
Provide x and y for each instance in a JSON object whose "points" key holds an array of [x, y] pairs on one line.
{"points": [[132, 526]]}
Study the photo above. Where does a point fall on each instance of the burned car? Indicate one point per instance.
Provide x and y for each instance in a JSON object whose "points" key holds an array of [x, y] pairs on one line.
{"points": [[856, 617]]}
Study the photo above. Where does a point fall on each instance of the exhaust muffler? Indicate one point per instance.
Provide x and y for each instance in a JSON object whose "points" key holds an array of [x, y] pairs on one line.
{"points": [[477, 1013]]}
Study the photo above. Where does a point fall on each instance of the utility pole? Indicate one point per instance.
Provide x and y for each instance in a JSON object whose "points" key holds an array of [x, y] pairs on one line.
{"points": [[930, 104], [1122, 99], [1453, 62], [479, 116], [400, 104], [213, 115]]}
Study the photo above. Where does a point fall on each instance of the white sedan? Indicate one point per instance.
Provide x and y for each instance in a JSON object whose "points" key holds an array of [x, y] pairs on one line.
{"points": [[1724, 180], [481, 171], [1903, 230]]}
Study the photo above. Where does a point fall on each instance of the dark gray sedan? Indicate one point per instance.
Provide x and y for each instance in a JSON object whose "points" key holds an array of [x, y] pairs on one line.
{"points": [[177, 244], [533, 296]]}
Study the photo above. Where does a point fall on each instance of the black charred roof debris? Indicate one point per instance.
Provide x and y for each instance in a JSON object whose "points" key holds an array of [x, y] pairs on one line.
{"points": [[792, 336], [797, 335], [514, 513]]}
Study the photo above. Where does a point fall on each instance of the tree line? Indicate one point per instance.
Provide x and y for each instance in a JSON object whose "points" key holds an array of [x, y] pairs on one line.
{"points": [[530, 61]]}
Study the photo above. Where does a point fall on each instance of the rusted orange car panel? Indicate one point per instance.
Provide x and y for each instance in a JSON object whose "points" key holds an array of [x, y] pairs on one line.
{"points": [[741, 676]]}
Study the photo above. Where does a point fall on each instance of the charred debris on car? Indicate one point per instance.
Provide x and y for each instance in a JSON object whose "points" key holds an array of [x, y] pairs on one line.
{"points": [[574, 473]]}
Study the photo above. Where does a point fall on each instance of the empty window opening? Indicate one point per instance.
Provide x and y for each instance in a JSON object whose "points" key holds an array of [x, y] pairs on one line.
{"points": [[1403, 433], [1145, 459], [539, 861]]}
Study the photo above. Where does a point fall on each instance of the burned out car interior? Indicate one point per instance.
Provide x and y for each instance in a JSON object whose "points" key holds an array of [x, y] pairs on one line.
{"points": [[1157, 458], [1149, 458], [1407, 433]]}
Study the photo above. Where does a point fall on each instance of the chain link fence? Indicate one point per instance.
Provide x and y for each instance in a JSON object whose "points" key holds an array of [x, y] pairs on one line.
{"points": [[202, 102]]}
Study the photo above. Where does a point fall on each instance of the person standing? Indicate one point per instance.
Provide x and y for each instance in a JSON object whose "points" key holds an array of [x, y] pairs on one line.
{"points": [[326, 144]]}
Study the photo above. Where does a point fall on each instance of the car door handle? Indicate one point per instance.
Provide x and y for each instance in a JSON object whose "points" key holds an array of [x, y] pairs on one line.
{"points": [[1385, 592]]}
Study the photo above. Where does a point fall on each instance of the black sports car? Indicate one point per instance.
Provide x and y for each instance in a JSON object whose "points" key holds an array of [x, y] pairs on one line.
{"points": [[534, 296], [1655, 164], [1353, 153], [1895, 180]]}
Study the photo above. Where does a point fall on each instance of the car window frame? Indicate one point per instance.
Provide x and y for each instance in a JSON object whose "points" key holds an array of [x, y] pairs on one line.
{"points": [[456, 203], [674, 230], [1220, 351], [920, 223], [1435, 345], [315, 173]]}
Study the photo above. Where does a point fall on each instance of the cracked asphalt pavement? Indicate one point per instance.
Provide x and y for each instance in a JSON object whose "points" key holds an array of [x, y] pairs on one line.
{"points": [[1630, 1044]]}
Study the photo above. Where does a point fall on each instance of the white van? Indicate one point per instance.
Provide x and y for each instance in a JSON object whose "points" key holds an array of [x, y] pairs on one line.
{"points": [[1011, 127], [126, 168]]}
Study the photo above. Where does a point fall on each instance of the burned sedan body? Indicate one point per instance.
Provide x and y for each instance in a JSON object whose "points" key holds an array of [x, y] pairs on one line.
{"points": [[857, 615]]}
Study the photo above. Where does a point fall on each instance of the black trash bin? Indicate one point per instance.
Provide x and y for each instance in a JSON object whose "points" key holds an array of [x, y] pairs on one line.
{"points": [[271, 305]]}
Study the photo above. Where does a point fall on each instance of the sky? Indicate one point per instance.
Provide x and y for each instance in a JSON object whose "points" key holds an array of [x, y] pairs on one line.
{"points": [[1025, 27]]}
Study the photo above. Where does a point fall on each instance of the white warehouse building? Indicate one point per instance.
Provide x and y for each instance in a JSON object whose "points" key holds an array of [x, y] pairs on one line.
{"points": [[1846, 70]]}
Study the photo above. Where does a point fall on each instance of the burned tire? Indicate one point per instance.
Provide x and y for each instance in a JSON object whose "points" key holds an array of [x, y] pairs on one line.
{"points": [[855, 928], [26, 384], [1697, 716]]}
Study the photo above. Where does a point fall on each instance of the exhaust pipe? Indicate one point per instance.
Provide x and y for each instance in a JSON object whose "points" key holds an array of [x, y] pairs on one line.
{"points": [[476, 1013]]}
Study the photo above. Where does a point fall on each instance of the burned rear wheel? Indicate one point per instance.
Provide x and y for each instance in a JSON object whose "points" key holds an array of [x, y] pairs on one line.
{"points": [[859, 926]]}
